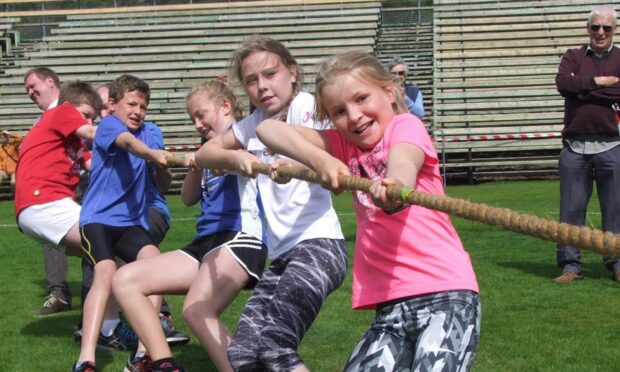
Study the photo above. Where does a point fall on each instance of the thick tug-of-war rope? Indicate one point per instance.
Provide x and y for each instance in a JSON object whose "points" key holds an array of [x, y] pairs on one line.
{"points": [[605, 243]]}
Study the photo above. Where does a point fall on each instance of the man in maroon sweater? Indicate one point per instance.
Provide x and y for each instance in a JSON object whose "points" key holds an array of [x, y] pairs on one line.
{"points": [[588, 79]]}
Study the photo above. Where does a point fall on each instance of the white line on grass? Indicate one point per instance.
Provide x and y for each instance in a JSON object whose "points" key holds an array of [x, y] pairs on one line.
{"points": [[5, 226]]}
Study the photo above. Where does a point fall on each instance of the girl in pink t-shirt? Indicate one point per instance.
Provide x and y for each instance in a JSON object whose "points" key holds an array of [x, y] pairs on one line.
{"points": [[409, 262]]}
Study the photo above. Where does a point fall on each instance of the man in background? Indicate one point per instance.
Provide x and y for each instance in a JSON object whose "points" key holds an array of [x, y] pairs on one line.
{"points": [[588, 79], [43, 88]]}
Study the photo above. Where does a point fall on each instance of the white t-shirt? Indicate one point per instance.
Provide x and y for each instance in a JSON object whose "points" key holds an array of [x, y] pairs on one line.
{"points": [[297, 210]]}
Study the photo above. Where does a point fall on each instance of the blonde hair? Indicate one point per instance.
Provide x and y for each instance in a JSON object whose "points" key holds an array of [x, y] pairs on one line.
{"points": [[218, 91], [260, 43], [361, 66]]}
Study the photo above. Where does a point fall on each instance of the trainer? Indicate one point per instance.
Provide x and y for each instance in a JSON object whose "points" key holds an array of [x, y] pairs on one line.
{"points": [[588, 80]]}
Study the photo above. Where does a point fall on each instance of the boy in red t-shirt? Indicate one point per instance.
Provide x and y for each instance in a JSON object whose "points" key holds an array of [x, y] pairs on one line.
{"points": [[48, 169]]}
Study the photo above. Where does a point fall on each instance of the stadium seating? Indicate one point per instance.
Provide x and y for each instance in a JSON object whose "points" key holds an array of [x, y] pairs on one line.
{"points": [[496, 109], [174, 49], [486, 67]]}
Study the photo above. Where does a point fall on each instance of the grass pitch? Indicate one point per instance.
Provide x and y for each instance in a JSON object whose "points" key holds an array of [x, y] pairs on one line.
{"points": [[529, 323]]}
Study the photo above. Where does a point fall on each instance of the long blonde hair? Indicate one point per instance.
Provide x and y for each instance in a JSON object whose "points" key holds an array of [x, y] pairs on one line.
{"points": [[361, 66], [218, 91]]}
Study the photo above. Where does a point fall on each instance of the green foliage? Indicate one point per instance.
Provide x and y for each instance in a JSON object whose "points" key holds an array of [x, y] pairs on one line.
{"points": [[529, 322]]}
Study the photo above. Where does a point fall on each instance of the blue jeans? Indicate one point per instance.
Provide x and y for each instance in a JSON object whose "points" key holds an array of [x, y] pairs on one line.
{"points": [[577, 174]]}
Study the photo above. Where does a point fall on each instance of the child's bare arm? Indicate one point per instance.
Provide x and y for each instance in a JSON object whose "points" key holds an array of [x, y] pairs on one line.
{"points": [[305, 145], [294, 141], [225, 152], [129, 143], [191, 188], [404, 162], [86, 132]]}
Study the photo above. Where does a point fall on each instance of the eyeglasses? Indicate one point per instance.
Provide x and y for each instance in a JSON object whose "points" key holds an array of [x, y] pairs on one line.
{"points": [[595, 28], [400, 73]]}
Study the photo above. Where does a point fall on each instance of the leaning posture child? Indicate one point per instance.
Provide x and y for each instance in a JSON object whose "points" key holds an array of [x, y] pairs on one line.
{"points": [[226, 255], [48, 169], [409, 265], [114, 209], [159, 223], [304, 235]]}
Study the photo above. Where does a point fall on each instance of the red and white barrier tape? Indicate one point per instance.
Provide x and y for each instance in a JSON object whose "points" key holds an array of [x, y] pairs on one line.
{"points": [[182, 148], [496, 137], [481, 137]]}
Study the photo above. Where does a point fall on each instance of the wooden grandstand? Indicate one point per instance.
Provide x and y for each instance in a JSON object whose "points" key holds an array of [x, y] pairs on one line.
{"points": [[486, 67], [496, 108], [174, 49]]}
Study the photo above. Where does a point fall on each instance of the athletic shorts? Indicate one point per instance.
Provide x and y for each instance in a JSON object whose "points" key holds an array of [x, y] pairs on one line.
{"points": [[49, 222], [104, 242], [158, 225], [249, 251]]}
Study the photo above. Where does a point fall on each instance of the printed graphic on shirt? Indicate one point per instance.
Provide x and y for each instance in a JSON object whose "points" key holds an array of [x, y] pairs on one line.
{"points": [[372, 165]]}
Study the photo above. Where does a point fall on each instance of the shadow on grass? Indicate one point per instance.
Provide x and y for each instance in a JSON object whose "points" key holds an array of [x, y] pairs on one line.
{"points": [[551, 270], [58, 325], [193, 357]]}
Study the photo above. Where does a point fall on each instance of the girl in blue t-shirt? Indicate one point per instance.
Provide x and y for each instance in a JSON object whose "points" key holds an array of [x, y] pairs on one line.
{"points": [[227, 255]]}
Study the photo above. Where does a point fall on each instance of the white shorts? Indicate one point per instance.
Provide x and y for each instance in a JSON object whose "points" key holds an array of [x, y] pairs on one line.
{"points": [[49, 222]]}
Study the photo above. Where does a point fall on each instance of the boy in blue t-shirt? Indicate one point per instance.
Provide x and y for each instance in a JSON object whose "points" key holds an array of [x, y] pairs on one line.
{"points": [[114, 214]]}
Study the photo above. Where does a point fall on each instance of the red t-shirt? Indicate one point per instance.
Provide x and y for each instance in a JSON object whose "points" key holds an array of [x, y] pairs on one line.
{"points": [[50, 158]]}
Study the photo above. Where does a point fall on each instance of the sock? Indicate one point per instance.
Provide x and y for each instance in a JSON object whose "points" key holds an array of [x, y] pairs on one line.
{"points": [[108, 326], [164, 365], [138, 355]]}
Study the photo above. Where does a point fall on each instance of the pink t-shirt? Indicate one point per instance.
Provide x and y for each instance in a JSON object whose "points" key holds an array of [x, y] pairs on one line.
{"points": [[412, 252], [50, 158]]}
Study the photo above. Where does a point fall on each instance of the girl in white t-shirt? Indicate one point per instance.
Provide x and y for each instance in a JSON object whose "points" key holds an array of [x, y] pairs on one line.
{"points": [[410, 265], [304, 236]]}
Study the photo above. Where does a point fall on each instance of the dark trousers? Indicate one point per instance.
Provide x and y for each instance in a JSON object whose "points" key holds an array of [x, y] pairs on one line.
{"points": [[56, 271], [578, 172]]}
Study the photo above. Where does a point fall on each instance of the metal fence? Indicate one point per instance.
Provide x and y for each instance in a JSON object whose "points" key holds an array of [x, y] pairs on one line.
{"points": [[406, 12]]}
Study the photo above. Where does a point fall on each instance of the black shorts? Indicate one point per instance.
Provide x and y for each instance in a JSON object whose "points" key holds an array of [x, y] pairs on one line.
{"points": [[158, 225], [249, 251], [103, 242]]}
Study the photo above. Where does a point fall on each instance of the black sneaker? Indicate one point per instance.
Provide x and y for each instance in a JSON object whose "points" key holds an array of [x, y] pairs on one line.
{"points": [[53, 305], [84, 367], [139, 364], [123, 338], [173, 337]]}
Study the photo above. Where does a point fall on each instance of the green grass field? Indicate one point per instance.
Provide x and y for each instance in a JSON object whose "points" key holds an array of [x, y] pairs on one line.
{"points": [[529, 323]]}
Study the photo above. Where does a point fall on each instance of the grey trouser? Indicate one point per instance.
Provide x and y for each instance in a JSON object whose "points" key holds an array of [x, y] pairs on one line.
{"points": [[56, 271], [577, 174]]}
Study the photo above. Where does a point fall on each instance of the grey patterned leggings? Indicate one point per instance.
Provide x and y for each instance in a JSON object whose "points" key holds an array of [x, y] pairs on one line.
{"points": [[284, 304], [435, 332]]}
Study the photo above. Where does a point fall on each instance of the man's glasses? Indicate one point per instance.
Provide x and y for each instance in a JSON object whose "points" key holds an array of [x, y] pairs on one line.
{"points": [[595, 28], [400, 73]]}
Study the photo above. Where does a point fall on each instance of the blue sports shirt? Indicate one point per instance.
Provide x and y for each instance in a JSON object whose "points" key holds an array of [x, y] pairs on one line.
{"points": [[116, 191]]}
